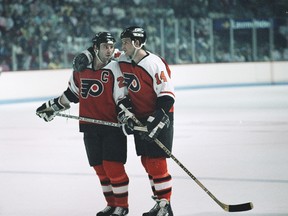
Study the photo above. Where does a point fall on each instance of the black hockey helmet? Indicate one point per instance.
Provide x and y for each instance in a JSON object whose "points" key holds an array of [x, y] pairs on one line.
{"points": [[103, 37], [134, 33]]}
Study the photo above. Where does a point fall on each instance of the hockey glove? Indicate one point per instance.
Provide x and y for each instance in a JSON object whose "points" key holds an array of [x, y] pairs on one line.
{"points": [[127, 128], [155, 124], [82, 60], [124, 109], [48, 110], [124, 114]]}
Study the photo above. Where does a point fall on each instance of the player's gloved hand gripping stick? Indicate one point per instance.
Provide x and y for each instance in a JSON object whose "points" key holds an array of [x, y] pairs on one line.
{"points": [[48, 110], [155, 124], [125, 118], [228, 208]]}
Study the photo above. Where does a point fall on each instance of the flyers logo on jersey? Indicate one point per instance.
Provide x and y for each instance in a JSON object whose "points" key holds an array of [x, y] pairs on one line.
{"points": [[132, 82], [91, 87]]}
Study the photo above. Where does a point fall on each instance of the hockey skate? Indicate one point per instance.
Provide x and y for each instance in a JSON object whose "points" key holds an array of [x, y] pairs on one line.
{"points": [[107, 211], [119, 211], [165, 208], [161, 208], [155, 209]]}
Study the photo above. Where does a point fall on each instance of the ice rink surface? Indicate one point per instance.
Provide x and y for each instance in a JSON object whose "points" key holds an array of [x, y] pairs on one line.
{"points": [[234, 140]]}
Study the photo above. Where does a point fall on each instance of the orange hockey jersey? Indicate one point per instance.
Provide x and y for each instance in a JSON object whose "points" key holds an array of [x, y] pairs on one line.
{"points": [[146, 81], [98, 92]]}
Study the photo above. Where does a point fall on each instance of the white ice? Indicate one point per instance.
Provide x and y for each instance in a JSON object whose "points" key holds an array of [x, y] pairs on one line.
{"points": [[234, 140]]}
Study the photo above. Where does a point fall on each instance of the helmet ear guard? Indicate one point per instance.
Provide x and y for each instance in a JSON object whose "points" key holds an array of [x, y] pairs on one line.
{"points": [[135, 33]]}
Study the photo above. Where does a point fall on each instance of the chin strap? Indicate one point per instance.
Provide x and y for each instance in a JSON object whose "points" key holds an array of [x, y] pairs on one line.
{"points": [[136, 49], [98, 58]]}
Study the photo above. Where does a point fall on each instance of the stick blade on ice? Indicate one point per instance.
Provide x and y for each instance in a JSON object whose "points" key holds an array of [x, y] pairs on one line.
{"points": [[240, 207]]}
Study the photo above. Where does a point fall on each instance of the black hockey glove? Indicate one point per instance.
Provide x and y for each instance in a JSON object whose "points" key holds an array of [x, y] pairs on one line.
{"points": [[155, 124], [128, 128], [125, 116], [82, 60], [48, 110]]}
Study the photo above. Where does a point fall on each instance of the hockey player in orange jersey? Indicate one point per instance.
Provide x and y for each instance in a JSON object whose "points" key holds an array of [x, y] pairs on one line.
{"points": [[150, 89]]}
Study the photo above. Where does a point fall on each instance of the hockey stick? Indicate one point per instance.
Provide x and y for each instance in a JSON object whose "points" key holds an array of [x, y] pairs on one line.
{"points": [[229, 208], [100, 122]]}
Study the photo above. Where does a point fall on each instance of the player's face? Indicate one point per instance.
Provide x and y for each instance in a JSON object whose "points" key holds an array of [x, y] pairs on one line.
{"points": [[127, 46], [106, 51]]}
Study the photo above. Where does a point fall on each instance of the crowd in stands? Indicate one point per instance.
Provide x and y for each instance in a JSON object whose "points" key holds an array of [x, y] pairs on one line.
{"points": [[48, 33]]}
